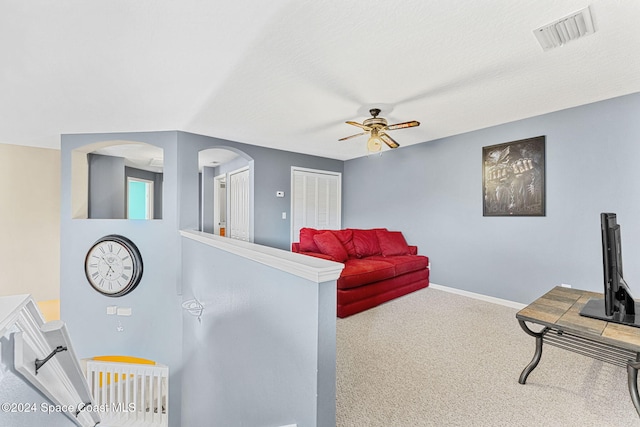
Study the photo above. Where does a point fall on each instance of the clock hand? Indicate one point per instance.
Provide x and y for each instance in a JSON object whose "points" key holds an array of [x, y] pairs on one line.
{"points": [[109, 264]]}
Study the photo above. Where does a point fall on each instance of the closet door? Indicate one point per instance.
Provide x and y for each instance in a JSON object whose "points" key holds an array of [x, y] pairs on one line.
{"points": [[238, 205], [316, 200]]}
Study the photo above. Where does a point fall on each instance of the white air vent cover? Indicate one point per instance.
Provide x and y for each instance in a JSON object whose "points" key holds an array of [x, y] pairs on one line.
{"points": [[564, 30]]}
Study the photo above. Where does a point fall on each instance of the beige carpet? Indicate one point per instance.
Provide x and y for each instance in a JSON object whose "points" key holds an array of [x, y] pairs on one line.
{"points": [[433, 358]]}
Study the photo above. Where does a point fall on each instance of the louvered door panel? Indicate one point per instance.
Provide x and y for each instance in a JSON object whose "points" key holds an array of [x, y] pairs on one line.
{"points": [[316, 200]]}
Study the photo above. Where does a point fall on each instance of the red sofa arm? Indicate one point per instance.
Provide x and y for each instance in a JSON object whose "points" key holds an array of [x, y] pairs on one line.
{"points": [[413, 250]]}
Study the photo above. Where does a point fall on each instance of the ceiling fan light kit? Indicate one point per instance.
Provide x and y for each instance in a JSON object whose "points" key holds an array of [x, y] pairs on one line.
{"points": [[377, 129], [374, 144]]}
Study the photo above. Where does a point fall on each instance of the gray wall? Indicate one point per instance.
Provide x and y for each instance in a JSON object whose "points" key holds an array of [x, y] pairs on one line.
{"points": [[154, 330], [230, 166], [207, 202], [263, 353], [272, 172], [433, 193], [106, 187]]}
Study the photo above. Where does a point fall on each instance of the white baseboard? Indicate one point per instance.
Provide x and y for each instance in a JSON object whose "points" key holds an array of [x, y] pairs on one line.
{"points": [[481, 297]]}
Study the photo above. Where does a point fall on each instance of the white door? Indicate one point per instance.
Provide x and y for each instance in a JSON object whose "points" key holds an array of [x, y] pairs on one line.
{"points": [[316, 200], [238, 219], [220, 205]]}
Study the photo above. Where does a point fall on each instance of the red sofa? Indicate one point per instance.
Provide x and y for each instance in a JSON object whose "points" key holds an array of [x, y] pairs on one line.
{"points": [[379, 265]]}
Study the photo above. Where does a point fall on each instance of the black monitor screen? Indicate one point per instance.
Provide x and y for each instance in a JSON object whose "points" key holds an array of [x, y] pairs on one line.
{"points": [[617, 305], [611, 260]]}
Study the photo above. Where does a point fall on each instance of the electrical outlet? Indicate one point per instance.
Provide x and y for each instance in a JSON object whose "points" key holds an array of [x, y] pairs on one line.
{"points": [[124, 311]]}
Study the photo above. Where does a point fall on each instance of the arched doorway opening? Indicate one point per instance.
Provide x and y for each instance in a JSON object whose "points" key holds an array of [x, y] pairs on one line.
{"points": [[226, 193]]}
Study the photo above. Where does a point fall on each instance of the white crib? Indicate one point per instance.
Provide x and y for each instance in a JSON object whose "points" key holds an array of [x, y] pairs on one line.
{"points": [[129, 394]]}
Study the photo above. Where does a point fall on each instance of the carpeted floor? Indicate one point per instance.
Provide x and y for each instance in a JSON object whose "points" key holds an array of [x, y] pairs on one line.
{"points": [[433, 358]]}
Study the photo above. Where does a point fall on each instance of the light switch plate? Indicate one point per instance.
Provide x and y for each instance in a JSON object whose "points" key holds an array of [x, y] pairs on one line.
{"points": [[279, 193]]}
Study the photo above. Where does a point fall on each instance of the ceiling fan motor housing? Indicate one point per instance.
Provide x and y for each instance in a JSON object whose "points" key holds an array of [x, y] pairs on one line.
{"points": [[373, 122]]}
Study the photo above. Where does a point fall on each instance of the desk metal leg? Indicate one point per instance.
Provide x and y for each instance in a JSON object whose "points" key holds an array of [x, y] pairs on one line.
{"points": [[632, 379], [537, 355]]}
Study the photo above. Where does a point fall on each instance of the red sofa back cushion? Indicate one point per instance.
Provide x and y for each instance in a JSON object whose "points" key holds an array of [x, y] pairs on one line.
{"points": [[366, 242], [346, 238], [392, 243], [329, 244], [306, 240], [307, 244], [358, 243]]}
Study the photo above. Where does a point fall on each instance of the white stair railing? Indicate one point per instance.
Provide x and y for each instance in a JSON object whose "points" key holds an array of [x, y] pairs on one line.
{"points": [[44, 356]]}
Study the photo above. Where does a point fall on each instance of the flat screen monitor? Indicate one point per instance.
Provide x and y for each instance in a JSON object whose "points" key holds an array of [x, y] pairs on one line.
{"points": [[618, 305]]}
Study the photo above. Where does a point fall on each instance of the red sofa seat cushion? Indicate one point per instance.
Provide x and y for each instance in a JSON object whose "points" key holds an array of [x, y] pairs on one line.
{"points": [[359, 272], [405, 263], [329, 244]]}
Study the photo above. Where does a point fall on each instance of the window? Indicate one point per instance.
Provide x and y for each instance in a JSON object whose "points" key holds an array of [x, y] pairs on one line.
{"points": [[139, 198]]}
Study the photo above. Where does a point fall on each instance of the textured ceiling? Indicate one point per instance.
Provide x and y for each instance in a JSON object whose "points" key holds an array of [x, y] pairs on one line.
{"points": [[287, 74]]}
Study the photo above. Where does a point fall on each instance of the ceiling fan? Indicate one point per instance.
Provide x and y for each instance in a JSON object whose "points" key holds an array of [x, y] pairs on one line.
{"points": [[377, 128]]}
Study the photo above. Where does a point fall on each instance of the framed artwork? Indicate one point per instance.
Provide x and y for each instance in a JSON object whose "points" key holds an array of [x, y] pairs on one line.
{"points": [[513, 178]]}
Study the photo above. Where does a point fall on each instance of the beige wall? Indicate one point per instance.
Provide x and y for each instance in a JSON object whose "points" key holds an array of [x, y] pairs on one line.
{"points": [[30, 221]]}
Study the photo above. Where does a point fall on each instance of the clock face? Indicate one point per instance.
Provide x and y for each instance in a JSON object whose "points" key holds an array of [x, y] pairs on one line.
{"points": [[113, 266]]}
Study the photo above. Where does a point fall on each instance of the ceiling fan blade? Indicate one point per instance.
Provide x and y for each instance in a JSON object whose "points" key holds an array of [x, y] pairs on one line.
{"points": [[353, 136], [388, 140], [367, 128], [403, 125]]}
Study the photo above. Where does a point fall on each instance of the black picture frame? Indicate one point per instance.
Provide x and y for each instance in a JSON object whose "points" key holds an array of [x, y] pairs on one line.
{"points": [[513, 178]]}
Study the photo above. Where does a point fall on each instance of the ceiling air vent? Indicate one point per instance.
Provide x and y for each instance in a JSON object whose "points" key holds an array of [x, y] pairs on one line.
{"points": [[564, 30]]}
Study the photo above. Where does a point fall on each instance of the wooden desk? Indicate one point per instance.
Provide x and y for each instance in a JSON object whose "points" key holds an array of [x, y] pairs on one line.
{"points": [[558, 311]]}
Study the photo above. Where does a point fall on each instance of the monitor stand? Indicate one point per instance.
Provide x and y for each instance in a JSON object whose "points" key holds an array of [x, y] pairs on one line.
{"points": [[595, 308]]}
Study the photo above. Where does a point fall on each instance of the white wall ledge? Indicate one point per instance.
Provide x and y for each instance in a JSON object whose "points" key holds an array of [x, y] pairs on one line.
{"points": [[307, 267]]}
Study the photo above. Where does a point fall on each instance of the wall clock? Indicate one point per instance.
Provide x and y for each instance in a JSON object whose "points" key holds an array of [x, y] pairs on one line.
{"points": [[113, 265]]}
